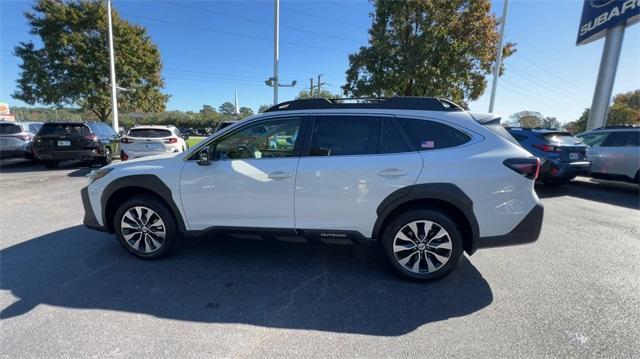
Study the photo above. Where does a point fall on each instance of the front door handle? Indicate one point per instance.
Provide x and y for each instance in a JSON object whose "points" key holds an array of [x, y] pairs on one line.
{"points": [[392, 172], [279, 175]]}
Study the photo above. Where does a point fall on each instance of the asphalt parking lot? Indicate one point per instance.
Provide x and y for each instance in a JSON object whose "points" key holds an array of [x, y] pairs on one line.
{"points": [[66, 291]]}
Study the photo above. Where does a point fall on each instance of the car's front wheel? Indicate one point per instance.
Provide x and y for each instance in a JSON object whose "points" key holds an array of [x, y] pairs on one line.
{"points": [[422, 245], [145, 227]]}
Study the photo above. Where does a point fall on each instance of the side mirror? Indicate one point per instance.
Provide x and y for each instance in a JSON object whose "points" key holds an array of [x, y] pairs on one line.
{"points": [[204, 157]]}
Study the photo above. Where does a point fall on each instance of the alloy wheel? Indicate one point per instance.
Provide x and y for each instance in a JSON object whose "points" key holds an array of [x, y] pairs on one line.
{"points": [[143, 229], [422, 246]]}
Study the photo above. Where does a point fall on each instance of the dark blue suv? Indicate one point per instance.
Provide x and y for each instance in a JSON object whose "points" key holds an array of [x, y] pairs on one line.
{"points": [[562, 156]]}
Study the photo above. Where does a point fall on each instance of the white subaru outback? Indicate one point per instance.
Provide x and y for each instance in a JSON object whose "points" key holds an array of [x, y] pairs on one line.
{"points": [[420, 177]]}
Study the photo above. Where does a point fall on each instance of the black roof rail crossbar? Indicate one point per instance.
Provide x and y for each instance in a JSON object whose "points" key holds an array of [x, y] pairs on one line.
{"points": [[397, 103]]}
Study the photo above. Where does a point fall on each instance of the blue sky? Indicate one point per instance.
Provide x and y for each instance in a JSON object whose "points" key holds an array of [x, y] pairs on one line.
{"points": [[210, 48]]}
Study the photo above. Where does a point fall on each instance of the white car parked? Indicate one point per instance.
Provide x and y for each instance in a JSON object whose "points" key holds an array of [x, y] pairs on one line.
{"points": [[143, 141], [420, 177]]}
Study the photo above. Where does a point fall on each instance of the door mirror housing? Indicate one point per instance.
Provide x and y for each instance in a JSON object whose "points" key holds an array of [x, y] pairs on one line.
{"points": [[204, 157]]}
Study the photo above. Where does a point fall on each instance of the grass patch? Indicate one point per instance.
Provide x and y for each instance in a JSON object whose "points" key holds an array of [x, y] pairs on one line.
{"points": [[194, 140]]}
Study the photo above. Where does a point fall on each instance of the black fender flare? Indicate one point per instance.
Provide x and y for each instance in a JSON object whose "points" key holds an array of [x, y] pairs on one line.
{"points": [[445, 192], [149, 182]]}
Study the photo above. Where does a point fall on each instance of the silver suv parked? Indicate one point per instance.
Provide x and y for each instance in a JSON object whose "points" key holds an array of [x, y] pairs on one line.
{"points": [[614, 152], [16, 137]]}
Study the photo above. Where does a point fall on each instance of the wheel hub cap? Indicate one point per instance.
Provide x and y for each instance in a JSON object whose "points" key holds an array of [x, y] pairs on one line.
{"points": [[143, 229], [422, 246]]}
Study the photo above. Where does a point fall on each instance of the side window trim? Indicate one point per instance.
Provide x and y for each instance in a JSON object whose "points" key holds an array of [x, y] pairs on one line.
{"points": [[304, 119]]}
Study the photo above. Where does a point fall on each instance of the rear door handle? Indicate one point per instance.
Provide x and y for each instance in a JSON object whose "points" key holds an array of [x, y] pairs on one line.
{"points": [[392, 172], [279, 175]]}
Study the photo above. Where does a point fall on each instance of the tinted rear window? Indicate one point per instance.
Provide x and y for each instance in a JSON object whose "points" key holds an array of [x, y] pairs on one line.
{"points": [[623, 139], [429, 135], [561, 139], [9, 129], [149, 133], [55, 129]]}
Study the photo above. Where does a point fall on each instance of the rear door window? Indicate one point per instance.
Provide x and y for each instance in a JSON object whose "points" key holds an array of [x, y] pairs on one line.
{"points": [[431, 135], [345, 135], [149, 133], [391, 140], [9, 129], [623, 139], [594, 139]]}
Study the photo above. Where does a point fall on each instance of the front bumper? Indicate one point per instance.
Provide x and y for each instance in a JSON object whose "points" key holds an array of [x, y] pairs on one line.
{"points": [[557, 169], [90, 220], [527, 231]]}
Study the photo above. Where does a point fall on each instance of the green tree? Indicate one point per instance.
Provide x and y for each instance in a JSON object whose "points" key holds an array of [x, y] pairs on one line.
{"points": [[227, 108], [245, 111], [303, 94], [625, 110], [72, 65], [551, 122], [528, 119], [263, 108], [440, 48]]}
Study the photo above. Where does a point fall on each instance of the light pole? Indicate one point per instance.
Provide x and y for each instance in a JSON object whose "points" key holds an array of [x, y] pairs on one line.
{"points": [[496, 71], [112, 65], [276, 48]]}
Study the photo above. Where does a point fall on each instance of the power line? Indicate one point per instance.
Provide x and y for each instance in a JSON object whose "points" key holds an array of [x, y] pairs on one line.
{"points": [[535, 81], [256, 21], [231, 33], [214, 73], [546, 71]]}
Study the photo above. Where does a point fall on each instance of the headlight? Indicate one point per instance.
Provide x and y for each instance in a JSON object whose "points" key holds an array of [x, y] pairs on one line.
{"points": [[97, 174]]}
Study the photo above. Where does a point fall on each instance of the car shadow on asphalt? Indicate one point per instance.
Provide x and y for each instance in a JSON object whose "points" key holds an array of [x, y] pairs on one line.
{"points": [[26, 166], [229, 280], [610, 192]]}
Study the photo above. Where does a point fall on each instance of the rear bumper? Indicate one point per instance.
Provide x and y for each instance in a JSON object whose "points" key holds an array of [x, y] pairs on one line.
{"points": [[90, 220], [527, 231], [87, 154], [557, 169]]}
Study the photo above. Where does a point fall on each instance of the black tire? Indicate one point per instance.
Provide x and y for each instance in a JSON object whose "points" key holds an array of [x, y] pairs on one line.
{"points": [[51, 163], [145, 246], [107, 158], [554, 182], [441, 220]]}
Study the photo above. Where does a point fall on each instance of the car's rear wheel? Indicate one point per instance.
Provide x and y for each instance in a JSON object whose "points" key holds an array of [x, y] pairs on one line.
{"points": [[51, 163], [422, 245], [145, 227], [107, 158]]}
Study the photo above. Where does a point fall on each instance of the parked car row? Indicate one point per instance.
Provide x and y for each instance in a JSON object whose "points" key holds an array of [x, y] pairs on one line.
{"points": [[611, 152], [54, 142]]}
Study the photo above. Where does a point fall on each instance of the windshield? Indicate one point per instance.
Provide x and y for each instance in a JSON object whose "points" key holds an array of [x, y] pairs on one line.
{"points": [[53, 129], [149, 133]]}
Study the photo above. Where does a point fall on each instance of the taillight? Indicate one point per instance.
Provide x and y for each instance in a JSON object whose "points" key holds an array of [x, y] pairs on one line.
{"points": [[547, 148], [528, 167], [171, 140], [126, 140], [92, 137], [123, 155]]}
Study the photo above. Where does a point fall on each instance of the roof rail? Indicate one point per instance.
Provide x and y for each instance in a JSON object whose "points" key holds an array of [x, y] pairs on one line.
{"points": [[613, 127], [398, 103]]}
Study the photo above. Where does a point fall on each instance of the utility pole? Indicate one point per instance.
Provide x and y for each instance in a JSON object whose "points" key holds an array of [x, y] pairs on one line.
{"points": [[496, 71], [311, 87], [114, 98], [276, 49]]}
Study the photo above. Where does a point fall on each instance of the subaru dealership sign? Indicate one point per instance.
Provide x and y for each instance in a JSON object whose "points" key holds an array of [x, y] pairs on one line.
{"points": [[599, 15]]}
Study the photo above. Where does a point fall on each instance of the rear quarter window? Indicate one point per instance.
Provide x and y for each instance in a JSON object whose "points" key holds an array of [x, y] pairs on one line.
{"points": [[430, 135]]}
